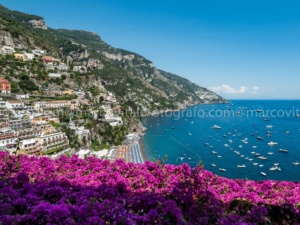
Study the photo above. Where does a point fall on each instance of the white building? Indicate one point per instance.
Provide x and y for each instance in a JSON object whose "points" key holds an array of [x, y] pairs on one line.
{"points": [[30, 146], [29, 56], [38, 52], [14, 104], [22, 97], [52, 104], [54, 75], [2, 104], [7, 50]]}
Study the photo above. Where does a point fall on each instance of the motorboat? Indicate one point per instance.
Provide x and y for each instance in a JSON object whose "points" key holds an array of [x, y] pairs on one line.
{"points": [[214, 165], [219, 156], [259, 138], [275, 164], [271, 143], [262, 158], [255, 164], [241, 166], [216, 127], [269, 126], [213, 152], [260, 165], [270, 153], [283, 150], [257, 154], [296, 163], [254, 146], [258, 110], [264, 174], [223, 170]]}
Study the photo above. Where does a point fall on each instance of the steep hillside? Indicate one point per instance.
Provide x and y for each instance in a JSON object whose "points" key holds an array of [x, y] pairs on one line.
{"points": [[130, 76]]}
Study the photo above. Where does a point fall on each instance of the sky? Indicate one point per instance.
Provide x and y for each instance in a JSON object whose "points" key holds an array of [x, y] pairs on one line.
{"points": [[241, 49]]}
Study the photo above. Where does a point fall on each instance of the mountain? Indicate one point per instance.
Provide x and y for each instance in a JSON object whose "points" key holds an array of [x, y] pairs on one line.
{"points": [[131, 77]]}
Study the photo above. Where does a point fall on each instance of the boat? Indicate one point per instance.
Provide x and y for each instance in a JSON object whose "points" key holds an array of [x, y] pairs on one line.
{"points": [[283, 150], [214, 165], [259, 138], [241, 166], [271, 143], [255, 164], [213, 152], [257, 154], [267, 119], [258, 110], [298, 116], [223, 170], [296, 163], [226, 145], [206, 144], [181, 158], [246, 108], [254, 146], [270, 153], [275, 164], [264, 174], [253, 153], [219, 156], [273, 168], [287, 132], [216, 127], [190, 133], [189, 159], [269, 126], [224, 136], [240, 146], [262, 158], [260, 165], [250, 159]]}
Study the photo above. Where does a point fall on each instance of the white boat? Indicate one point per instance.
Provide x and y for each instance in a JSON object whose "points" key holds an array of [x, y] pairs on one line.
{"points": [[223, 170], [254, 146], [262, 158], [190, 133], [253, 153], [271, 143], [241, 166], [216, 127], [296, 163], [270, 153], [189, 159], [255, 164], [264, 174], [219, 156], [213, 152], [259, 138], [230, 141], [240, 146], [258, 110], [283, 150], [214, 165], [269, 126], [260, 165], [273, 168], [250, 159], [275, 164], [226, 145]]}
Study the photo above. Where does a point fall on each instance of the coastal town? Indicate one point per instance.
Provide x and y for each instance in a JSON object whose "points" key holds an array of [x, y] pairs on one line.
{"points": [[50, 122]]}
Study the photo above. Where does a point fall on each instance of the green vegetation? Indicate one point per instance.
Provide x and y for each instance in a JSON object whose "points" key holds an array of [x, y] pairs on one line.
{"points": [[52, 151]]}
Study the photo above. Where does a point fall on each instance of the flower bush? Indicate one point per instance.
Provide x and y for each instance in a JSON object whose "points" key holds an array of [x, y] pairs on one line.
{"points": [[74, 191]]}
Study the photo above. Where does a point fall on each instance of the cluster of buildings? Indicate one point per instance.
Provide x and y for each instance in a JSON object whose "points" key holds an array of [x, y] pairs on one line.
{"points": [[23, 132]]}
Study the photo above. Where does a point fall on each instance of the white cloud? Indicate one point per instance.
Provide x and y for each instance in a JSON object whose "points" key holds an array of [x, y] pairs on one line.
{"points": [[226, 89], [255, 89]]}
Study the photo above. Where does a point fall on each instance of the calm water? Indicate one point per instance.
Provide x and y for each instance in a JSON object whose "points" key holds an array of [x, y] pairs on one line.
{"points": [[182, 137]]}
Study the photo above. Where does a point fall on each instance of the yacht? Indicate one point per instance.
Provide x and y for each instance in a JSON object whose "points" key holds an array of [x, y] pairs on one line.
{"points": [[257, 154], [213, 152], [262, 158], [271, 143], [269, 126], [275, 164], [259, 138], [264, 174], [255, 164], [260, 165], [216, 127], [283, 150], [296, 163], [214, 165], [219, 156], [223, 170], [241, 166], [270, 153]]}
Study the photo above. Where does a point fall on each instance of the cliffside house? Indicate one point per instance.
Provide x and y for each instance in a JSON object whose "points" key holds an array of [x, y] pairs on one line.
{"points": [[47, 59], [20, 56], [15, 104], [4, 86], [7, 50], [38, 52]]}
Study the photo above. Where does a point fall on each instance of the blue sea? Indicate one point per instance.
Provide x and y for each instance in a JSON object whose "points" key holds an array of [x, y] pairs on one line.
{"points": [[188, 136]]}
